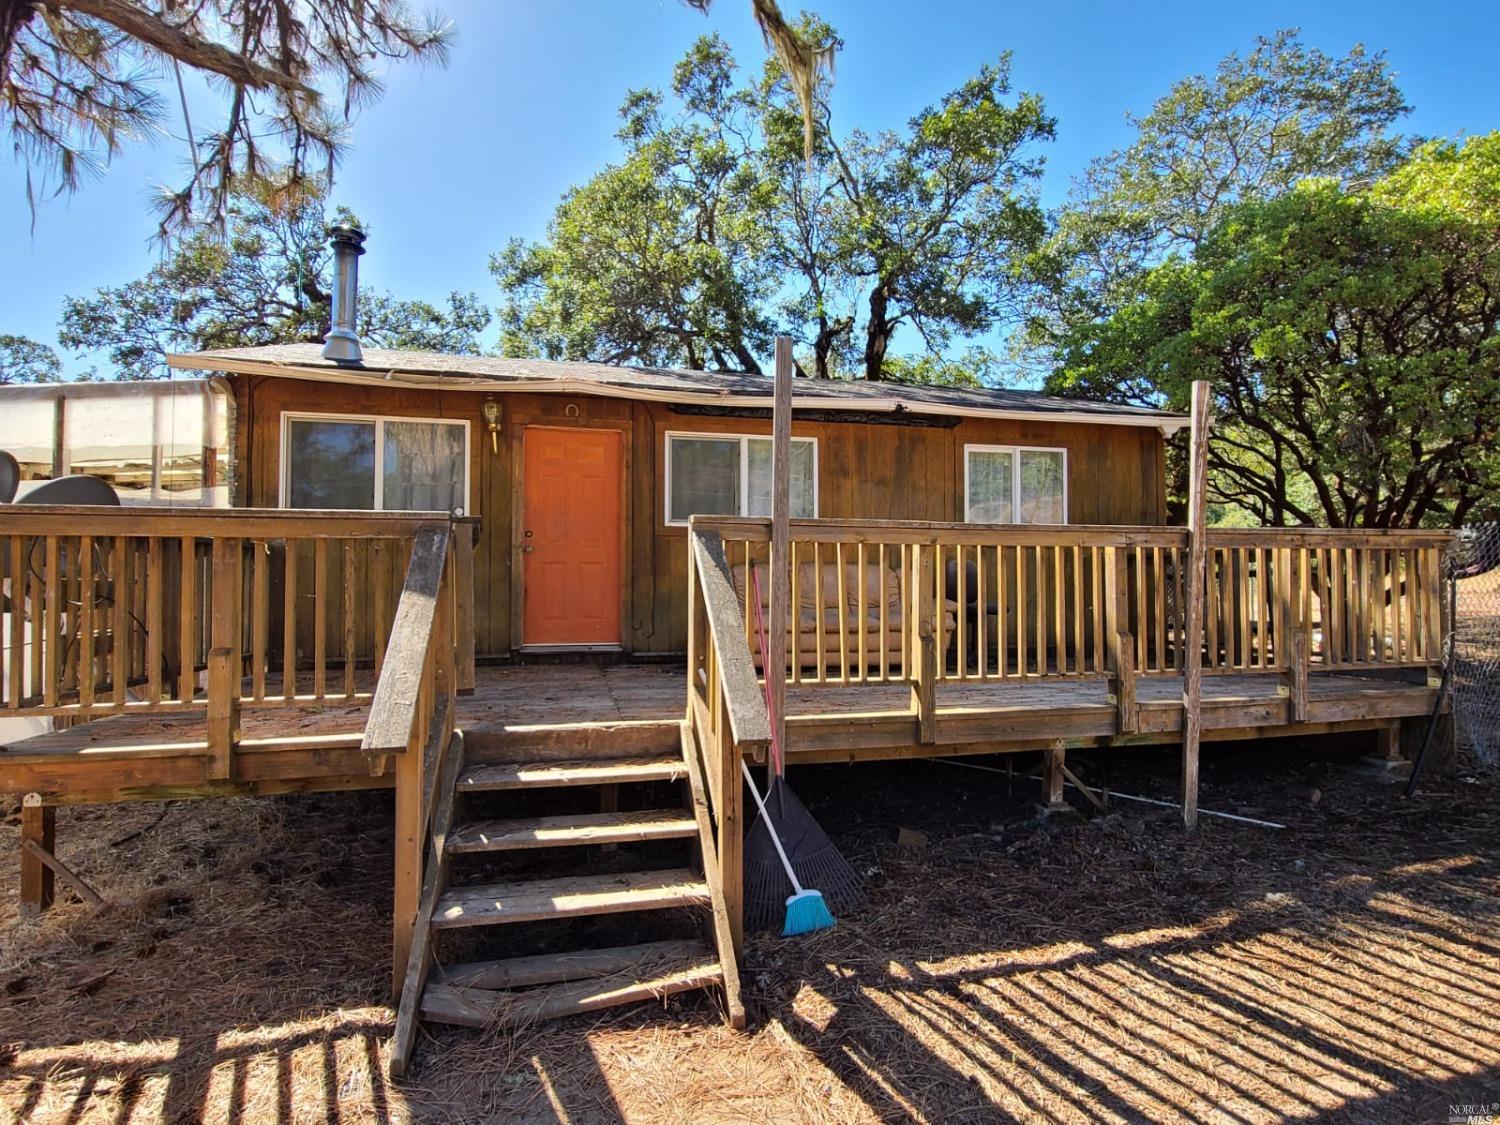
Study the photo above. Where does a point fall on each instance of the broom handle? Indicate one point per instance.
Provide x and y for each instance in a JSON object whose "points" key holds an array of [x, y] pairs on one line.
{"points": [[770, 827], [778, 761]]}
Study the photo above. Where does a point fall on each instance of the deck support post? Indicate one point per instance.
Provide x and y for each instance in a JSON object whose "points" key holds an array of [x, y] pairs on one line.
{"points": [[924, 651], [1297, 676], [39, 825], [408, 864], [1192, 674], [1053, 777], [1129, 714], [773, 659], [224, 659], [729, 819]]}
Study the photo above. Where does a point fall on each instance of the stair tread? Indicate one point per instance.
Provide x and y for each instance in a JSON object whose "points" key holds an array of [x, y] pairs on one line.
{"points": [[596, 771], [581, 828], [488, 904], [473, 1007], [582, 964]]}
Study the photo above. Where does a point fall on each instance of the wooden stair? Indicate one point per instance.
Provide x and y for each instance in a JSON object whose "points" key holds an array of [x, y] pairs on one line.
{"points": [[640, 973], [583, 828], [519, 990], [489, 904], [551, 775]]}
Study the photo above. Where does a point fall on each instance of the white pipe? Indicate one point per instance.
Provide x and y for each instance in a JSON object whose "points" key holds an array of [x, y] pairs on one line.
{"points": [[1122, 796]]}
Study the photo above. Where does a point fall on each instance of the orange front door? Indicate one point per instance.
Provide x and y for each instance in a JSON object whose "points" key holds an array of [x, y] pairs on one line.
{"points": [[570, 537]]}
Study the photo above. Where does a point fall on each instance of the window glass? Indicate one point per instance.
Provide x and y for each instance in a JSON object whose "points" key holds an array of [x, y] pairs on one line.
{"points": [[1042, 486], [991, 486], [423, 467], [26, 427], [801, 489], [705, 477], [330, 464], [112, 439]]}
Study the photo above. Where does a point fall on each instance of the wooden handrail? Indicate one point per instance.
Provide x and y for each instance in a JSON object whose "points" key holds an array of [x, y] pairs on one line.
{"points": [[754, 530], [1346, 537], [395, 708], [758, 530], [749, 721], [215, 523]]}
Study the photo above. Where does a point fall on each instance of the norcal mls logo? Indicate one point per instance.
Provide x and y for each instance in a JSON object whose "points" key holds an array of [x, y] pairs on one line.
{"points": [[1482, 1113]]}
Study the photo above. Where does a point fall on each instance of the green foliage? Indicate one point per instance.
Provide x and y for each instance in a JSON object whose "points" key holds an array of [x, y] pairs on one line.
{"points": [[718, 229], [974, 367], [266, 282], [23, 360], [938, 221], [80, 79], [661, 258], [1352, 335], [1253, 130]]}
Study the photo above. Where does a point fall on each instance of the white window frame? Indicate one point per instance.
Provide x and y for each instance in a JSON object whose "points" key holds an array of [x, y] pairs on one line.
{"points": [[744, 440], [1015, 477], [378, 421]]}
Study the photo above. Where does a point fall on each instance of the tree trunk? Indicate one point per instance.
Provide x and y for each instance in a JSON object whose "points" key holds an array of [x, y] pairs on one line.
{"points": [[828, 334], [878, 332], [747, 362]]}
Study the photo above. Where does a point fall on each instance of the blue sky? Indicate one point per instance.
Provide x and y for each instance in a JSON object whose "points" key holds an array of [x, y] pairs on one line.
{"points": [[453, 162]]}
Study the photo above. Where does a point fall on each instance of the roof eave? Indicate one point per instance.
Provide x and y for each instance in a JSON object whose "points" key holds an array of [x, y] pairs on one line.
{"points": [[456, 380]]}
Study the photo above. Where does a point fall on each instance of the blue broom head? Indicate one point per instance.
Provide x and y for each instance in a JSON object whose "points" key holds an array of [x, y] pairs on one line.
{"points": [[806, 913]]}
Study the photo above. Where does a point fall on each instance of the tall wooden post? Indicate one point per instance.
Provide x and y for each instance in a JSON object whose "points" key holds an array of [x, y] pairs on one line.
{"points": [[224, 659], [1192, 674], [781, 515]]}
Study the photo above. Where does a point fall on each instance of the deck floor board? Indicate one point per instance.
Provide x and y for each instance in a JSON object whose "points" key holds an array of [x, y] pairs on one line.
{"points": [[523, 697]]}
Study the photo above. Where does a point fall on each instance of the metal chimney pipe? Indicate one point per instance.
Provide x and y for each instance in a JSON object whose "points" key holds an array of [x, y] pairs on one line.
{"points": [[342, 344]]}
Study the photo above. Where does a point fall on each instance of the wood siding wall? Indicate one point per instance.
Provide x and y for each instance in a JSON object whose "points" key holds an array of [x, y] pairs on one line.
{"points": [[1115, 476]]}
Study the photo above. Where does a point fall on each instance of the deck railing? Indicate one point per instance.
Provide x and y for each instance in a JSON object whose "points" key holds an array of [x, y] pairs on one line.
{"points": [[928, 604], [120, 611], [726, 710]]}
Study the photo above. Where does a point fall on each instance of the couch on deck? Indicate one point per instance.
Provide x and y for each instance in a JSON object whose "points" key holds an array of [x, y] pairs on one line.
{"points": [[881, 584]]}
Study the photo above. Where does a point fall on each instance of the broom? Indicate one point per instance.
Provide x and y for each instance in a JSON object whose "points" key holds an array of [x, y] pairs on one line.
{"points": [[787, 850]]}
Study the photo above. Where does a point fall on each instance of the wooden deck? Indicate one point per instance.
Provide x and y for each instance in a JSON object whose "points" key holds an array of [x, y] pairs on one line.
{"points": [[287, 748]]}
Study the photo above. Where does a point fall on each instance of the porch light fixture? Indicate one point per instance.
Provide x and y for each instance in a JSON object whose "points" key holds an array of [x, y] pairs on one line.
{"points": [[492, 423]]}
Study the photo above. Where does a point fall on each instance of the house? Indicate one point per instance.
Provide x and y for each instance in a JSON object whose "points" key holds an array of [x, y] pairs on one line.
{"points": [[582, 476], [969, 572]]}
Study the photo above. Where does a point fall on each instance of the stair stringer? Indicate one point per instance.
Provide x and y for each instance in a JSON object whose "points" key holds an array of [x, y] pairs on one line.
{"points": [[723, 934], [434, 883]]}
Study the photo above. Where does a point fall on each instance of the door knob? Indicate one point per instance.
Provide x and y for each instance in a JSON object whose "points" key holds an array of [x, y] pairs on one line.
{"points": [[527, 548]]}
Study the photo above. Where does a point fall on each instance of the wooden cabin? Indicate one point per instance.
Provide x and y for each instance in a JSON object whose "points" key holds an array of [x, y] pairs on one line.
{"points": [[548, 455], [970, 571]]}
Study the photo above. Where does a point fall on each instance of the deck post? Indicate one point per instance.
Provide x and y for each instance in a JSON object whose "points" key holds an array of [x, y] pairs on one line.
{"points": [[463, 561], [774, 668], [1192, 674], [1297, 674], [729, 818], [1119, 641], [224, 660], [1054, 758], [1125, 703], [408, 862], [1388, 742], [924, 652], [38, 884]]}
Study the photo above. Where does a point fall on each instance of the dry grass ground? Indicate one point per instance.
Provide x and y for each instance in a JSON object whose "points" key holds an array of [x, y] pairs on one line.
{"points": [[1347, 968]]}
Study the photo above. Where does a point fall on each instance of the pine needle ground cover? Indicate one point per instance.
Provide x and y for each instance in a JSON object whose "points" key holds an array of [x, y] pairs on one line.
{"points": [[1346, 968]]}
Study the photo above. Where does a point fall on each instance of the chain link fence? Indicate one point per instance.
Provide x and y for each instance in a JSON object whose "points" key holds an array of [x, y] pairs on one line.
{"points": [[1476, 644]]}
